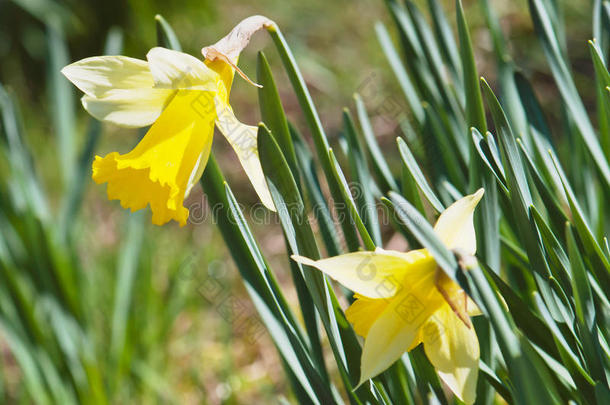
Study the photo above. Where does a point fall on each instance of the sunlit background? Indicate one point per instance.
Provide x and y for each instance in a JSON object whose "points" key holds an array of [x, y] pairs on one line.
{"points": [[161, 310]]}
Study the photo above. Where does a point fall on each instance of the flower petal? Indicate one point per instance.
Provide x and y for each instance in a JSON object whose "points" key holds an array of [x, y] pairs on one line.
{"points": [[472, 309], [159, 170], [378, 274], [118, 89], [97, 75], [455, 227], [453, 350], [129, 108], [176, 70], [243, 140], [398, 326]]}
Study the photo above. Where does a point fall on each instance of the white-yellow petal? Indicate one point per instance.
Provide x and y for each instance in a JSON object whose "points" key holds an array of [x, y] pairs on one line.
{"points": [[129, 108], [378, 274], [176, 70], [98, 75], [398, 326], [453, 350], [455, 225], [243, 139]]}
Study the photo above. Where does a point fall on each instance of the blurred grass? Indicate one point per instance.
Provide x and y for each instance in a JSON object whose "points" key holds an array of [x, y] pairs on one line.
{"points": [[186, 348]]}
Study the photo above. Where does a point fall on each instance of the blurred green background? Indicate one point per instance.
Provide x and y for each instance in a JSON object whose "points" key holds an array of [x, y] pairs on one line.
{"points": [[114, 309]]}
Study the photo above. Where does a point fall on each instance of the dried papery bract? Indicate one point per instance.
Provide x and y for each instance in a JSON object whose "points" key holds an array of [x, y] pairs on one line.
{"points": [[229, 47]]}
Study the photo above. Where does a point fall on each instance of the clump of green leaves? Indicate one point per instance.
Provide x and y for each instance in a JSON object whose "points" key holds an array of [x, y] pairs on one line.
{"points": [[543, 275]]}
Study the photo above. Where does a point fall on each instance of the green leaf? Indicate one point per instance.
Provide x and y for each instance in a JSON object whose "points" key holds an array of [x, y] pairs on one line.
{"points": [[521, 200], [559, 262], [61, 102], [540, 133], [452, 157], [166, 37], [433, 62], [484, 148], [526, 372], [127, 270], [313, 120], [272, 112], [413, 54], [428, 383], [301, 240], [24, 186], [261, 286], [286, 339], [602, 78], [365, 200], [533, 327], [545, 30], [600, 262], [317, 201], [351, 205], [568, 357], [400, 72], [24, 356], [490, 376], [517, 185], [446, 41], [475, 112], [380, 165], [552, 205], [585, 311], [417, 176]]}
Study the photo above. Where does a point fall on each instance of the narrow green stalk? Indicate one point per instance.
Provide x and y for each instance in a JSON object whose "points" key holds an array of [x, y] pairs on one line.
{"points": [[313, 120]]}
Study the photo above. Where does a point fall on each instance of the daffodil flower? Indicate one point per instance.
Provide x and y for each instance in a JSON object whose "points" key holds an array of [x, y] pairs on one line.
{"points": [[183, 98], [404, 299]]}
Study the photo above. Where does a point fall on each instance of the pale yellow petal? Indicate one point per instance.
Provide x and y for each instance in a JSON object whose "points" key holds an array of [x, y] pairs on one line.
{"points": [[472, 309], [176, 70], [378, 274], [158, 171], [129, 108], [243, 139], [398, 326], [453, 350], [455, 225], [118, 90], [97, 75]]}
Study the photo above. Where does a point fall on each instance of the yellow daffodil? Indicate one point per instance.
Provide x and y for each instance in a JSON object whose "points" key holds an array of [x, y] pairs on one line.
{"points": [[404, 299], [183, 98]]}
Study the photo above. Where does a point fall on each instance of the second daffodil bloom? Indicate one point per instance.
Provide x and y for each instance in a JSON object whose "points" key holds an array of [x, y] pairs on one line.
{"points": [[183, 98], [404, 299]]}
